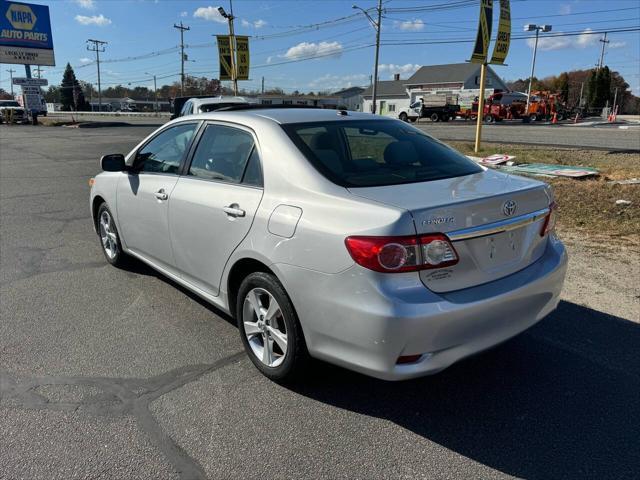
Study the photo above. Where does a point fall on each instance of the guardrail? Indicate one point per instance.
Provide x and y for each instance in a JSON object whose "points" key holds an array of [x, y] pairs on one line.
{"points": [[109, 114]]}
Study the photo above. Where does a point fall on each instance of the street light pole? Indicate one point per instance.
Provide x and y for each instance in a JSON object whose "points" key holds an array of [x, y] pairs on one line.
{"points": [[376, 25], [538, 29]]}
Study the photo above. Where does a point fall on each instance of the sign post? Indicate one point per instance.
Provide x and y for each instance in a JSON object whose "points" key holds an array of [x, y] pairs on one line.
{"points": [[481, 49]]}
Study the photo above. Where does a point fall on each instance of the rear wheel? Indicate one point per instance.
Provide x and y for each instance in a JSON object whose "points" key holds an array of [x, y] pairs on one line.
{"points": [[488, 118], [435, 117], [533, 117], [403, 116], [269, 328], [109, 237]]}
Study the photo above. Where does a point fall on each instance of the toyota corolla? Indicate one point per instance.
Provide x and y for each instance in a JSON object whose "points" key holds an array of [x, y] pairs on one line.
{"points": [[341, 236]]}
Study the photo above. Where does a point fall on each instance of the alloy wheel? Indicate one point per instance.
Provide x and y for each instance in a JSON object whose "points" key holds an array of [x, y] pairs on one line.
{"points": [[264, 327], [108, 236]]}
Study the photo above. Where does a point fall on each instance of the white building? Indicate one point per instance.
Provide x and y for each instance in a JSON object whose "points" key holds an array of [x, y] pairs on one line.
{"points": [[391, 98], [350, 98]]}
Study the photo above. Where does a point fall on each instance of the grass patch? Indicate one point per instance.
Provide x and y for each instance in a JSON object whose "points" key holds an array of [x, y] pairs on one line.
{"points": [[586, 206]]}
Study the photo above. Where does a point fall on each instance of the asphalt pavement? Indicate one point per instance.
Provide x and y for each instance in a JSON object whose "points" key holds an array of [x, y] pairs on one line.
{"points": [[109, 373]]}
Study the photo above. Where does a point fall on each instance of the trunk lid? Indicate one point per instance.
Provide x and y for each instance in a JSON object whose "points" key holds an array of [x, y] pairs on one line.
{"points": [[493, 219]]}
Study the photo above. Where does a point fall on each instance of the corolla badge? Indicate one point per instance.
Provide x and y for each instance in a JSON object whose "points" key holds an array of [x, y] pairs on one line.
{"points": [[509, 207], [438, 220]]}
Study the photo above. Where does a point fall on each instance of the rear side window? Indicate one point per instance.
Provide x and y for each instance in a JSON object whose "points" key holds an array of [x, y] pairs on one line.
{"points": [[368, 153], [227, 154]]}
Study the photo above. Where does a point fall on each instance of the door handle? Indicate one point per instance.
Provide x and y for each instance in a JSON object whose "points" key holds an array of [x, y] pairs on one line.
{"points": [[161, 194], [234, 210]]}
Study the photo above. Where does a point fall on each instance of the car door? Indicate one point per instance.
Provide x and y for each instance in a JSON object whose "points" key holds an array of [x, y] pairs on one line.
{"points": [[145, 192], [213, 204]]}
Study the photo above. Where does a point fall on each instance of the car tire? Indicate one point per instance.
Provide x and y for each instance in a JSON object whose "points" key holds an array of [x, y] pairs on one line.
{"points": [[435, 117], [533, 117], [109, 237], [403, 116], [254, 304], [488, 118]]}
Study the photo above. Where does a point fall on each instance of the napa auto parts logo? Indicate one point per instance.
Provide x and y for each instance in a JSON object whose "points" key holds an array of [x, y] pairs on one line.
{"points": [[24, 25]]}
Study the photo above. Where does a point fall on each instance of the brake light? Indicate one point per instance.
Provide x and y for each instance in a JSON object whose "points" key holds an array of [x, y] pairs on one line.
{"points": [[402, 254], [550, 220]]}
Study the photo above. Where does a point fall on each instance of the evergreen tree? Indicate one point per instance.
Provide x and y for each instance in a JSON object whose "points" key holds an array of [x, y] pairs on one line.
{"points": [[71, 94], [591, 89], [564, 86]]}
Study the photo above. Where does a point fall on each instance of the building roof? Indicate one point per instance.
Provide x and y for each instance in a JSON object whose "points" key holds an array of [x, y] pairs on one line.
{"points": [[348, 92], [387, 88], [448, 73]]}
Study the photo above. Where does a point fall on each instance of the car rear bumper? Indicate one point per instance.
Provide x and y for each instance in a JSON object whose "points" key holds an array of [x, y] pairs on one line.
{"points": [[364, 321]]}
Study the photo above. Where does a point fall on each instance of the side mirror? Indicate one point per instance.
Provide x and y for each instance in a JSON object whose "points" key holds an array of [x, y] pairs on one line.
{"points": [[113, 163]]}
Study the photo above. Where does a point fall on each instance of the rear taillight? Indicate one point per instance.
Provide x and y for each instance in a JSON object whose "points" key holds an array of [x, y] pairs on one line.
{"points": [[402, 254], [550, 220]]}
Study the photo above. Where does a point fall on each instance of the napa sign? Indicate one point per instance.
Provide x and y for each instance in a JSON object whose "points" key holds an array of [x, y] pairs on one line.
{"points": [[25, 34]]}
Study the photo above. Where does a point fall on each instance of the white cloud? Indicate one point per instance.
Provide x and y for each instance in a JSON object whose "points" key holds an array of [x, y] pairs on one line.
{"points": [[617, 44], [209, 13], [184, 14], [257, 24], [99, 20], [85, 60], [404, 70], [410, 25], [269, 59], [311, 49], [88, 4], [336, 82], [585, 40]]}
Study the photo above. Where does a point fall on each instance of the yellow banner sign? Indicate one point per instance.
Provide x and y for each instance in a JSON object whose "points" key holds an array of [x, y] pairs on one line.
{"points": [[481, 47], [501, 48], [242, 57], [224, 53]]}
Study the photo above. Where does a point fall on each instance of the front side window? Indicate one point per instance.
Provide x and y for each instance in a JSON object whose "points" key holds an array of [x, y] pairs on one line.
{"points": [[164, 152], [223, 154], [368, 153]]}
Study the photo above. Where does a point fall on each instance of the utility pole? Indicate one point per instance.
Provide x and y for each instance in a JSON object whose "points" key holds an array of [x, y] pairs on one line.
{"points": [[182, 29], [98, 46], [375, 25], [604, 43], [581, 90], [38, 71], [232, 45], [155, 91], [11, 72], [263, 85]]}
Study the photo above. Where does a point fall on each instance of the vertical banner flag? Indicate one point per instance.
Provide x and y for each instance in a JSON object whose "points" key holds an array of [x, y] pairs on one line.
{"points": [[501, 48], [224, 53], [242, 57], [481, 48]]}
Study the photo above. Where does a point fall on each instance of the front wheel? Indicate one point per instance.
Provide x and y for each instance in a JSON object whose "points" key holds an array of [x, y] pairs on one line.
{"points": [[109, 237], [435, 117], [488, 118], [269, 328], [403, 116]]}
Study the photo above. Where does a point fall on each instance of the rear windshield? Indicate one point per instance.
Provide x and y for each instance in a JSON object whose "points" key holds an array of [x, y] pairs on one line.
{"points": [[210, 107], [370, 153]]}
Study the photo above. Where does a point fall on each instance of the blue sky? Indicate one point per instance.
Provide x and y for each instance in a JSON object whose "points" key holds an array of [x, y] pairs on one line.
{"points": [[280, 48]]}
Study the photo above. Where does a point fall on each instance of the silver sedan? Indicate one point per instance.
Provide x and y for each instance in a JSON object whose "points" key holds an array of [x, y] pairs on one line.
{"points": [[341, 236]]}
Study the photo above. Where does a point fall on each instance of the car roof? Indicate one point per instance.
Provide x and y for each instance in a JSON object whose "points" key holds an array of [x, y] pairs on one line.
{"points": [[285, 115]]}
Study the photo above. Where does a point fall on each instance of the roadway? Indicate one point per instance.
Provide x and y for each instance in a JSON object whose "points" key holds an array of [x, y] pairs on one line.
{"points": [[564, 135], [108, 373]]}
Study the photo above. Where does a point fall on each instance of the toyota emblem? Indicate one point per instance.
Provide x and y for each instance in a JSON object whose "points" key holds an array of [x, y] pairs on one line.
{"points": [[509, 207]]}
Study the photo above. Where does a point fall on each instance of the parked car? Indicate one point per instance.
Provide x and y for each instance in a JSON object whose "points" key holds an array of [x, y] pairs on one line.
{"points": [[352, 238], [11, 111], [196, 105]]}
